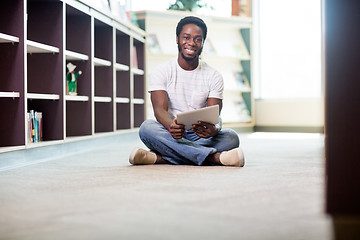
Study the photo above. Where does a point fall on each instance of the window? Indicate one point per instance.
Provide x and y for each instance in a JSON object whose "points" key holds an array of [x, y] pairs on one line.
{"points": [[287, 35]]}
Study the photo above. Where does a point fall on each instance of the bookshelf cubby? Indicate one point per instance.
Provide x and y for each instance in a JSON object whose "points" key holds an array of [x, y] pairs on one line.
{"points": [[123, 85], [38, 38], [45, 65], [12, 88], [78, 52], [138, 64], [103, 80], [227, 48]]}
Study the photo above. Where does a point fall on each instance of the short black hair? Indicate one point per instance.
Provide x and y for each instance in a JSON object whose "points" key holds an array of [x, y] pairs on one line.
{"points": [[188, 20]]}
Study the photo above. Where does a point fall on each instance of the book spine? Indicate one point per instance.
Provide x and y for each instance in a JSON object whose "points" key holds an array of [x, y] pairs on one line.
{"points": [[38, 116], [32, 125], [35, 126], [29, 133]]}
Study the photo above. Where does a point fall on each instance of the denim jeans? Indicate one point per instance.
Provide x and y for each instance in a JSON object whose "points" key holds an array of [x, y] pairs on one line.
{"points": [[190, 149]]}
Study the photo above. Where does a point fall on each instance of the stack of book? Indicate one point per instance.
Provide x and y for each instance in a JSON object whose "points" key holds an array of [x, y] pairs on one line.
{"points": [[35, 125]]}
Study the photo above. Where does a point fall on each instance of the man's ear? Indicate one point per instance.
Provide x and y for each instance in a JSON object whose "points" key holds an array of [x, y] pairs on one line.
{"points": [[177, 40]]}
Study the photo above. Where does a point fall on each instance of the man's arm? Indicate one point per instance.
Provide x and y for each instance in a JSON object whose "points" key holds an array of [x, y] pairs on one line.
{"points": [[215, 101], [159, 101]]}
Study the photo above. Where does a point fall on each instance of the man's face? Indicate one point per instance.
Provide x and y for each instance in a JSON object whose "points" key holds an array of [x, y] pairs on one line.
{"points": [[190, 42]]}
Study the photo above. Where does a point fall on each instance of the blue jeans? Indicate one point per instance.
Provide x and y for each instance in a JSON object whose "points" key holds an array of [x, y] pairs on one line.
{"points": [[191, 149]]}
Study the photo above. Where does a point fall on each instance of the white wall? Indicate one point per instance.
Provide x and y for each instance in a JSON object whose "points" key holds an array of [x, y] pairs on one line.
{"points": [[289, 113]]}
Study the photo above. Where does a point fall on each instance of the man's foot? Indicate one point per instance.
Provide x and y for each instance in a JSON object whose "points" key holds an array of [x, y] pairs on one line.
{"points": [[234, 157], [140, 156]]}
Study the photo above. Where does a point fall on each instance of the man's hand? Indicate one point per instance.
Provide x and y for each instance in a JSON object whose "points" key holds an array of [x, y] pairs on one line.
{"points": [[205, 129], [176, 130]]}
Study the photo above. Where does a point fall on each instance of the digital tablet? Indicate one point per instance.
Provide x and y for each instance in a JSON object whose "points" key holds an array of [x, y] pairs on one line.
{"points": [[206, 114]]}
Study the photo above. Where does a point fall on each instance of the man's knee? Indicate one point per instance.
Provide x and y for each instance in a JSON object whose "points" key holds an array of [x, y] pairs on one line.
{"points": [[145, 127], [232, 137], [149, 128]]}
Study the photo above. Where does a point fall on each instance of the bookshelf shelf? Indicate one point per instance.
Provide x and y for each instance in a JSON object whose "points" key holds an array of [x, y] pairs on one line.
{"points": [[40, 38], [76, 98], [10, 149], [4, 38], [36, 47], [121, 67], [43, 143], [98, 62], [138, 101], [102, 99], [9, 94], [137, 71], [43, 96], [70, 55], [122, 100]]}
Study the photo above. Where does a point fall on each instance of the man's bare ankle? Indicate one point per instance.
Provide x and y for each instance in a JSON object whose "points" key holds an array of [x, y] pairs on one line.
{"points": [[160, 160], [214, 158]]}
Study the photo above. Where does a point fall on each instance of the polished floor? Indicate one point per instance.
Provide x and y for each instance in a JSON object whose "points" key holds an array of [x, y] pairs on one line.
{"points": [[91, 192]]}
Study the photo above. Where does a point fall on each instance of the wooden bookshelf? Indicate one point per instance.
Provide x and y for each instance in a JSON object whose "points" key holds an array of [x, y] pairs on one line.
{"points": [[39, 38]]}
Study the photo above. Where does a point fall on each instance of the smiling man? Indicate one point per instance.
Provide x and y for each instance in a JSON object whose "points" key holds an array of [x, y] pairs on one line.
{"points": [[182, 84]]}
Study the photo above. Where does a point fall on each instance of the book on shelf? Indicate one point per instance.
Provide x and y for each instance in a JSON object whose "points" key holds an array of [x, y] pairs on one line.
{"points": [[35, 126], [236, 81], [245, 8], [134, 58], [153, 44], [235, 109], [132, 18], [241, 51], [242, 82]]}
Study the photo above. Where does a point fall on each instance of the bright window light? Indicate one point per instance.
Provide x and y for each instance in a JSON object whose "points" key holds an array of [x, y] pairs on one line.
{"points": [[289, 49], [221, 7]]}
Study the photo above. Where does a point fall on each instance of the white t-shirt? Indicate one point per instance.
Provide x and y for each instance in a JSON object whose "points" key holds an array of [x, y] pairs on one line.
{"points": [[187, 90]]}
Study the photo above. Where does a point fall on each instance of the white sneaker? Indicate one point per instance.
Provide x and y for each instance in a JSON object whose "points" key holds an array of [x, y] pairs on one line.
{"points": [[140, 156], [234, 157]]}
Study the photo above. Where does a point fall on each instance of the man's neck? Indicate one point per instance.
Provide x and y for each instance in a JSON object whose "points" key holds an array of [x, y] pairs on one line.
{"points": [[187, 64]]}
